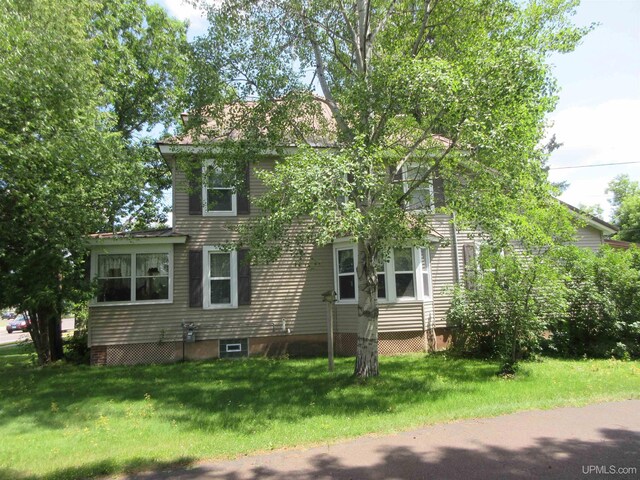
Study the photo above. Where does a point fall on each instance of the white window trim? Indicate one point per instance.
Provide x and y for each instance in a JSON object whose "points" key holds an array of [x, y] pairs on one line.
{"points": [[132, 251], [389, 276], [206, 278], [429, 296], [392, 294], [345, 245], [205, 207]]}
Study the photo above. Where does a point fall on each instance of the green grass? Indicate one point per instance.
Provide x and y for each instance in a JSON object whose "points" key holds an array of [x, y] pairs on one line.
{"points": [[65, 421]]}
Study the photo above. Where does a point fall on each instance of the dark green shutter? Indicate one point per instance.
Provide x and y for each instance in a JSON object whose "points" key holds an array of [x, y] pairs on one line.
{"points": [[244, 277], [438, 192], [243, 193], [468, 257], [195, 190], [195, 278]]}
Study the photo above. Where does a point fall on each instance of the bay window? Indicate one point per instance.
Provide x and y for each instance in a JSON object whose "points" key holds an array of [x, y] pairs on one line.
{"points": [[405, 276], [346, 268], [404, 273]]}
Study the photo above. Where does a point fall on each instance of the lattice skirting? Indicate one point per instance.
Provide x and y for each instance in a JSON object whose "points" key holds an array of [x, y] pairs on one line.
{"points": [[389, 343], [393, 343], [143, 353]]}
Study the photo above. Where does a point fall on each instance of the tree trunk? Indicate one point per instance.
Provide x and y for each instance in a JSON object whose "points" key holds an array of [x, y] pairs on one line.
{"points": [[367, 346], [46, 333]]}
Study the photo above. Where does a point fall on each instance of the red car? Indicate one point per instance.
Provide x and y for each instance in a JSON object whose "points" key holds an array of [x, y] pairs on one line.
{"points": [[21, 322]]}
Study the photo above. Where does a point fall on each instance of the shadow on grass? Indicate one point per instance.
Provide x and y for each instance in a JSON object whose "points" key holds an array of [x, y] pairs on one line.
{"points": [[224, 394], [547, 458], [102, 468]]}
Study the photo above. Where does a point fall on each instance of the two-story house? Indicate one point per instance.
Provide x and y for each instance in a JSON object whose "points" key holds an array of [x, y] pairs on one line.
{"points": [[173, 294]]}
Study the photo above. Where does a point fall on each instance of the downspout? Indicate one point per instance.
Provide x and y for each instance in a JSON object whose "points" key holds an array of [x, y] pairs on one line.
{"points": [[454, 245]]}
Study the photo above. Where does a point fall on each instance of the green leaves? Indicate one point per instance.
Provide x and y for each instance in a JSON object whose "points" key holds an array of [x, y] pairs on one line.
{"points": [[78, 81], [626, 204]]}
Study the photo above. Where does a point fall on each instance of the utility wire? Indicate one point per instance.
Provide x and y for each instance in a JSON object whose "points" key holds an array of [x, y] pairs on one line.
{"points": [[590, 166]]}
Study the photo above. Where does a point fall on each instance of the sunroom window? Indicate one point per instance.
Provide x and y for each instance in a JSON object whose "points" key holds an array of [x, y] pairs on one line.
{"points": [[133, 277]]}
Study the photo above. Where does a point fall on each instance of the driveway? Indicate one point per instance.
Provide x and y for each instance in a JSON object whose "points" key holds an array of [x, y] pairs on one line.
{"points": [[592, 442]]}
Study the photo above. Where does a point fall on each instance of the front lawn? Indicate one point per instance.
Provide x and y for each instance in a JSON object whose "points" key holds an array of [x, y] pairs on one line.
{"points": [[67, 421]]}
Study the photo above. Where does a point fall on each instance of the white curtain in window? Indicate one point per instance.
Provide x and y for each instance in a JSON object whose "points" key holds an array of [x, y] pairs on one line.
{"points": [[152, 264], [114, 266]]}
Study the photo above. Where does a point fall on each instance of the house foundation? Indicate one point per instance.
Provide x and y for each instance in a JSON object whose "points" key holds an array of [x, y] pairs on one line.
{"points": [[296, 346]]}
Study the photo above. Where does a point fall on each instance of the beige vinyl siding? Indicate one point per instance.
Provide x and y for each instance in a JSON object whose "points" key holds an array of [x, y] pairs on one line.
{"points": [[282, 291], [393, 317], [443, 270], [401, 317], [589, 237]]}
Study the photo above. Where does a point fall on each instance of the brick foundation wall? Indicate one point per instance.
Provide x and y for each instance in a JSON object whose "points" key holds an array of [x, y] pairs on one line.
{"points": [[98, 355]]}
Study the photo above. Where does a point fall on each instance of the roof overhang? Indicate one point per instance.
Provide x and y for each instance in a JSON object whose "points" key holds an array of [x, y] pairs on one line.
{"points": [[590, 220], [144, 237], [137, 241], [175, 149]]}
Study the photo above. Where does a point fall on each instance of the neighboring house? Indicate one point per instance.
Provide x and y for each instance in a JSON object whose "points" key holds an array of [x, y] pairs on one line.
{"points": [[152, 284], [621, 244]]}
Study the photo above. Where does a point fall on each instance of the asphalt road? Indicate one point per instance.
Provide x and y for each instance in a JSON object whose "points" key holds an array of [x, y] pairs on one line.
{"points": [[67, 324], [593, 442]]}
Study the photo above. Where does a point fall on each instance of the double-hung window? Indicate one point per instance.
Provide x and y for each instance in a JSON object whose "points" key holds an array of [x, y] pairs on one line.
{"points": [[404, 273], [221, 278], [382, 280], [219, 197], [133, 276], [422, 196], [346, 273], [425, 273]]}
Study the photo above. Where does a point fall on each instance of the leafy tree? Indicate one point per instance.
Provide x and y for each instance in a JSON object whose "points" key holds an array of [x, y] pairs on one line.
{"points": [[626, 207], [68, 162], [141, 56], [456, 90]]}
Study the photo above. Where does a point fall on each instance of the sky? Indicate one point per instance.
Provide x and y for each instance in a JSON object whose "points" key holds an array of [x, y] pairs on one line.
{"points": [[597, 119]]}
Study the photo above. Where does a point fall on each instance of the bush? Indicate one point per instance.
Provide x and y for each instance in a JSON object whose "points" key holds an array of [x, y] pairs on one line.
{"points": [[76, 349], [568, 300], [505, 314], [603, 295]]}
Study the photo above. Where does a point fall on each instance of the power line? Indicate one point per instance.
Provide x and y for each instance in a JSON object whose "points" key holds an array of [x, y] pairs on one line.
{"points": [[590, 166]]}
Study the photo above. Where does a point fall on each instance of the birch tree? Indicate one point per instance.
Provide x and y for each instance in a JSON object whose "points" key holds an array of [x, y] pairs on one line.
{"points": [[379, 98]]}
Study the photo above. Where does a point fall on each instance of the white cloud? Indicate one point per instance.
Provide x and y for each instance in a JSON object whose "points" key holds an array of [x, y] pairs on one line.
{"points": [[185, 10], [592, 135], [604, 133]]}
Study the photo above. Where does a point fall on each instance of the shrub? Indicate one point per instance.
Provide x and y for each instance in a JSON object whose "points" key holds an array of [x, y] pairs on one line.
{"points": [[76, 349], [603, 295], [569, 300], [505, 314]]}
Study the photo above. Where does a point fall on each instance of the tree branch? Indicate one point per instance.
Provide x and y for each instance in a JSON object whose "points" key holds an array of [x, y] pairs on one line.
{"points": [[324, 85], [354, 36], [429, 5]]}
